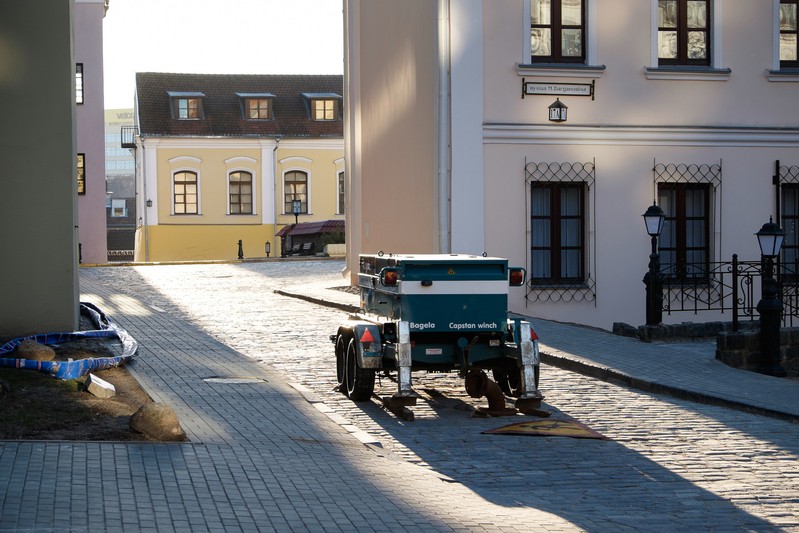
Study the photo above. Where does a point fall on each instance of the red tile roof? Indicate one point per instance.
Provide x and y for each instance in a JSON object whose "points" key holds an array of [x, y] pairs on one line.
{"points": [[222, 107]]}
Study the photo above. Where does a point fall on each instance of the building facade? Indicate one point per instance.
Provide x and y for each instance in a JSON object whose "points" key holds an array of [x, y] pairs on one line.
{"points": [[50, 62], [89, 118], [222, 158], [687, 104], [120, 183]]}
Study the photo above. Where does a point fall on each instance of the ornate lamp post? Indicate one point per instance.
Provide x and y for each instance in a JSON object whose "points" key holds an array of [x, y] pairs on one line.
{"points": [[654, 218], [770, 239]]}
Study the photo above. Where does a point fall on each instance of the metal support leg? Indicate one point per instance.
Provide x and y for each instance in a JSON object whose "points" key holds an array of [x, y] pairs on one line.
{"points": [[530, 358], [404, 361]]}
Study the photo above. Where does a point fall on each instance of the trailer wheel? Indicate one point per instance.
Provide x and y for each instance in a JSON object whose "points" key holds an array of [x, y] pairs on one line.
{"points": [[360, 381], [341, 360], [509, 380]]}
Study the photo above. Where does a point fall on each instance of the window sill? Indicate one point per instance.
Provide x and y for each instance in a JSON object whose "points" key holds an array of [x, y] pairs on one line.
{"points": [[785, 74], [687, 73], [561, 70]]}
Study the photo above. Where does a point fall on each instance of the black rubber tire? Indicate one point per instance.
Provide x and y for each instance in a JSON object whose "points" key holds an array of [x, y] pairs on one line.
{"points": [[341, 360], [509, 380], [360, 382]]}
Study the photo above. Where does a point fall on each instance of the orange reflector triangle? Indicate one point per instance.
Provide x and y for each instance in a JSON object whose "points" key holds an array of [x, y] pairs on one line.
{"points": [[367, 336]]}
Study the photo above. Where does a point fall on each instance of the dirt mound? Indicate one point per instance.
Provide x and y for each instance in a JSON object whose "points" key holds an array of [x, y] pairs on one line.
{"points": [[37, 406]]}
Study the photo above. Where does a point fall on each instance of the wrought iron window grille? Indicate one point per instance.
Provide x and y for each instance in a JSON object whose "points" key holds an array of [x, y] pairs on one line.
{"points": [[563, 172]]}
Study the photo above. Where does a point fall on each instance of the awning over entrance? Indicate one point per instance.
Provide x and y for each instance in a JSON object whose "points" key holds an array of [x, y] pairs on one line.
{"points": [[312, 228]]}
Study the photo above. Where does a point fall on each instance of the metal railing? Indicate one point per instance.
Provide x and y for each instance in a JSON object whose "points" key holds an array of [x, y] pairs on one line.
{"points": [[128, 135], [728, 286], [120, 256]]}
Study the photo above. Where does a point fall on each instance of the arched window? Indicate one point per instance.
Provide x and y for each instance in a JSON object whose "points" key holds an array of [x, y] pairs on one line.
{"points": [[295, 187], [240, 193], [185, 193]]}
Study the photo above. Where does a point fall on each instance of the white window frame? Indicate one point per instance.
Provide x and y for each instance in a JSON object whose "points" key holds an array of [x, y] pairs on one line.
{"points": [[118, 202], [569, 70], [80, 85], [776, 74], [254, 195], [307, 172], [341, 177], [175, 99], [172, 192], [714, 72]]}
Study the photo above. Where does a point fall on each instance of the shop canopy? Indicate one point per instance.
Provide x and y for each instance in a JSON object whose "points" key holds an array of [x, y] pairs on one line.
{"points": [[312, 228]]}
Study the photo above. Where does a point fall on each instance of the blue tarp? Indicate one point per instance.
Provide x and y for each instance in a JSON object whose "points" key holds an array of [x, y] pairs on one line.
{"points": [[80, 367]]}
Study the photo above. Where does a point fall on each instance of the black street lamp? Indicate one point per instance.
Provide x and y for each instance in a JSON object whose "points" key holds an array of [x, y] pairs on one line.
{"points": [[654, 218], [770, 239], [557, 111], [268, 248], [296, 208]]}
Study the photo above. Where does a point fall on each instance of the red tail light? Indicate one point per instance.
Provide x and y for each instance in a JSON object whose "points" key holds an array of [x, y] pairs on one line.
{"points": [[389, 278], [516, 277]]}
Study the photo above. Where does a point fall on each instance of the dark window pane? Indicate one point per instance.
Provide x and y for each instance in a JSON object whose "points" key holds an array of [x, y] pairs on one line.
{"points": [[683, 243], [557, 225], [541, 264]]}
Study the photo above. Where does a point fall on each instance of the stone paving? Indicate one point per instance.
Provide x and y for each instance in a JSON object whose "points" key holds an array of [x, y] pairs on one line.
{"points": [[282, 451]]}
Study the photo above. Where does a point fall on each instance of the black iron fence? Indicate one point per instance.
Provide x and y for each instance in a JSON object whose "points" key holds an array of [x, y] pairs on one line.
{"points": [[728, 287]]}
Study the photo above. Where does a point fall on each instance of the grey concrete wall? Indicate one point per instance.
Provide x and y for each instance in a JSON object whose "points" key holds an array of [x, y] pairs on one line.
{"points": [[38, 250]]}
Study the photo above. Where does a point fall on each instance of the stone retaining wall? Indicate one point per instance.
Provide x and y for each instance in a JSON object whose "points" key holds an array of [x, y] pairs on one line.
{"points": [[742, 349]]}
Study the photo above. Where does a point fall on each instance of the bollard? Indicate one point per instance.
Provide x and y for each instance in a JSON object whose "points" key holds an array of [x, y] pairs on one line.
{"points": [[241, 250]]}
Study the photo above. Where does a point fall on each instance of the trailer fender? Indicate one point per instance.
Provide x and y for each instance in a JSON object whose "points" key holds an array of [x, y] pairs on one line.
{"points": [[368, 343]]}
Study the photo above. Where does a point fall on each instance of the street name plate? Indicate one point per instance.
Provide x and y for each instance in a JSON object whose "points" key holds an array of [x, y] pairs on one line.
{"points": [[560, 89]]}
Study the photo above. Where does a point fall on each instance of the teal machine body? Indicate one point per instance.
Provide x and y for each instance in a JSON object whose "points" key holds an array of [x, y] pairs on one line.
{"points": [[436, 312]]}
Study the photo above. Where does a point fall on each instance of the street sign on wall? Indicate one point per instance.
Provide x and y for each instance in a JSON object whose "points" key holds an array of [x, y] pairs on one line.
{"points": [[531, 88]]}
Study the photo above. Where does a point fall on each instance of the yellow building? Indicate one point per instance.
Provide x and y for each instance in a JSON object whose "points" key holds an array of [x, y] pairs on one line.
{"points": [[227, 159]]}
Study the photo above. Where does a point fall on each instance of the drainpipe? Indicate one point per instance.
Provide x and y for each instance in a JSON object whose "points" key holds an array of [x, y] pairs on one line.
{"points": [[444, 177], [144, 203], [274, 196]]}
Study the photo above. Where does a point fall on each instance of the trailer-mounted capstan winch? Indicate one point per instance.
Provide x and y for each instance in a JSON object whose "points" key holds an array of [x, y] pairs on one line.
{"points": [[439, 313]]}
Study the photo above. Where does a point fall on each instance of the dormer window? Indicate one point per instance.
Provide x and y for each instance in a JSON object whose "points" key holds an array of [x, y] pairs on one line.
{"points": [[256, 106], [186, 106], [323, 106]]}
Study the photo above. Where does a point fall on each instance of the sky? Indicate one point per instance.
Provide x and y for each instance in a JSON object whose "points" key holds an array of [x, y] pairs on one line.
{"points": [[218, 37]]}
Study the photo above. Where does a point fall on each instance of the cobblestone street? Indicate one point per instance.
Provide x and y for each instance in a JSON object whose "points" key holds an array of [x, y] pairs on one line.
{"points": [[668, 464]]}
